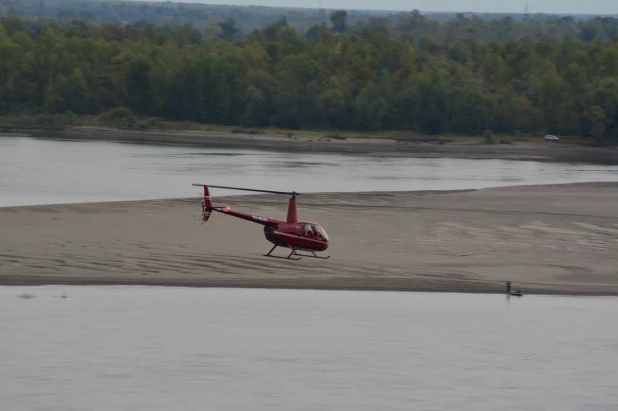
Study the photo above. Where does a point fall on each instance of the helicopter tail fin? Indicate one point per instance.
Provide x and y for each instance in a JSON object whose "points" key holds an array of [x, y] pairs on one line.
{"points": [[206, 205]]}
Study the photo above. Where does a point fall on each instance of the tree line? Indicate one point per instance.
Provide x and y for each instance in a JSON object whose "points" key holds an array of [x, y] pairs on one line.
{"points": [[326, 78]]}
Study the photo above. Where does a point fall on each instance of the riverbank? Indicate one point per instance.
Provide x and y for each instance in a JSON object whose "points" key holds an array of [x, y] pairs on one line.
{"points": [[383, 144], [560, 239]]}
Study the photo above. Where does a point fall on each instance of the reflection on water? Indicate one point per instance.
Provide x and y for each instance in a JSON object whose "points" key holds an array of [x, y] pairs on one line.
{"points": [[146, 348], [37, 171]]}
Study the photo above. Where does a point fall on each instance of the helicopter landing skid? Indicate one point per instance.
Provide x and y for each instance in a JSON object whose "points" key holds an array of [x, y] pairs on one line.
{"points": [[312, 256], [294, 253], [284, 258]]}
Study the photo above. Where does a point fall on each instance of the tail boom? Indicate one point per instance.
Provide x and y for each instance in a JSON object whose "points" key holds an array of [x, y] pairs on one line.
{"points": [[248, 217], [207, 210]]}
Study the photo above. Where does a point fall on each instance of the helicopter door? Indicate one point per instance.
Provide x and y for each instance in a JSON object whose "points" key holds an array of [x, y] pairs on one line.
{"points": [[308, 230]]}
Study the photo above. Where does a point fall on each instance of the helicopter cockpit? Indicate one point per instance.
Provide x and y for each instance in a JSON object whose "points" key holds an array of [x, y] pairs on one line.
{"points": [[317, 231]]}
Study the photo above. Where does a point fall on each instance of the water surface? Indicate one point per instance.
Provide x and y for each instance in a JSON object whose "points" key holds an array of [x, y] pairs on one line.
{"points": [[44, 171], [148, 348]]}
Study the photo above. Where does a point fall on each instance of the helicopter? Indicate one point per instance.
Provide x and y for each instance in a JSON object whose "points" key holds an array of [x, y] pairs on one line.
{"points": [[291, 233]]}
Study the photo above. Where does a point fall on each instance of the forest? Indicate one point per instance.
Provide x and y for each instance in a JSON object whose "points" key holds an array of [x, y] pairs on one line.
{"points": [[409, 73]]}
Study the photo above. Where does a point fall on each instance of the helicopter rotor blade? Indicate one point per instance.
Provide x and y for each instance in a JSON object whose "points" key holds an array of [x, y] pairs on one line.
{"points": [[293, 193]]}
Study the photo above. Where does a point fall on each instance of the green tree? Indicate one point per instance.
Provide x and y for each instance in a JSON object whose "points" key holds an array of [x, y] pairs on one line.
{"points": [[138, 86], [552, 99], [255, 110], [54, 100], [471, 110], [431, 104], [371, 107], [77, 93], [228, 30], [339, 21], [596, 116]]}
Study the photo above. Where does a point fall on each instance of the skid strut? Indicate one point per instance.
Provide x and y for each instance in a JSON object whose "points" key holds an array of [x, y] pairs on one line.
{"points": [[289, 257]]}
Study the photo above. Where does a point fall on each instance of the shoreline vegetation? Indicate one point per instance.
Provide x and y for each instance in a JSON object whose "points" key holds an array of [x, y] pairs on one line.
{"points": [[377, 143], [122, 120], [552, 239], [443, 78]]}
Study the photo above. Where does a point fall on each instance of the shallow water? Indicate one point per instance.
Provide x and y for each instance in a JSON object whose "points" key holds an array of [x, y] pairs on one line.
{"points": [[43, 171], [148, 348]]}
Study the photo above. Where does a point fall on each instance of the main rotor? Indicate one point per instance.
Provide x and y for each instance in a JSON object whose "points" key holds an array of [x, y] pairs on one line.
{"points": [[294, 194]]}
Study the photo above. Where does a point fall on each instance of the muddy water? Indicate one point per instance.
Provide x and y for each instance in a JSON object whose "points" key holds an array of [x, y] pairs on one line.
{"points": [[148, 348], [43, 171]]}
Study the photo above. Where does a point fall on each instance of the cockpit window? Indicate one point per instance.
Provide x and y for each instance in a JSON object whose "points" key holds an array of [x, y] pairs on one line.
{"points": [[317, 232], [320, 232], [308, 229]]}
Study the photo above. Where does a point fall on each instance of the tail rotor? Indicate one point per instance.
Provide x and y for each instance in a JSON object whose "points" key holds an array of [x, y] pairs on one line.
{"points": [[206, 205]]}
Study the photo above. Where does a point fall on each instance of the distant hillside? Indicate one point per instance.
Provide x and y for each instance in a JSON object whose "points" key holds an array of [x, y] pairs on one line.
{"points": [[436, 26]]}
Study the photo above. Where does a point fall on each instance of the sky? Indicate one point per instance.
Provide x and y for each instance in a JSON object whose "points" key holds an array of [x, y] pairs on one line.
{"points": [[492, 6]]}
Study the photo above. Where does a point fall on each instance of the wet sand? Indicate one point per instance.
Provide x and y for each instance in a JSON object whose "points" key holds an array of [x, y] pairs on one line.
{"points": [[471, 149], [560, 239]]}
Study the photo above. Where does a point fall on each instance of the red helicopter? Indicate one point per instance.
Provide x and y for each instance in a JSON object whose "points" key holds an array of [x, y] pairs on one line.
{"points": [[291, 233]]}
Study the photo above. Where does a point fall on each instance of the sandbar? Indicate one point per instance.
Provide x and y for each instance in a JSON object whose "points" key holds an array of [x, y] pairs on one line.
{"points": [[552, 239]]}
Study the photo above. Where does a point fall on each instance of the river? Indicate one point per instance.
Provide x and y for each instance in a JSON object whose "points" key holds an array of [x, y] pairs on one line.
{"points": [[49, 171], [156, 348]]}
